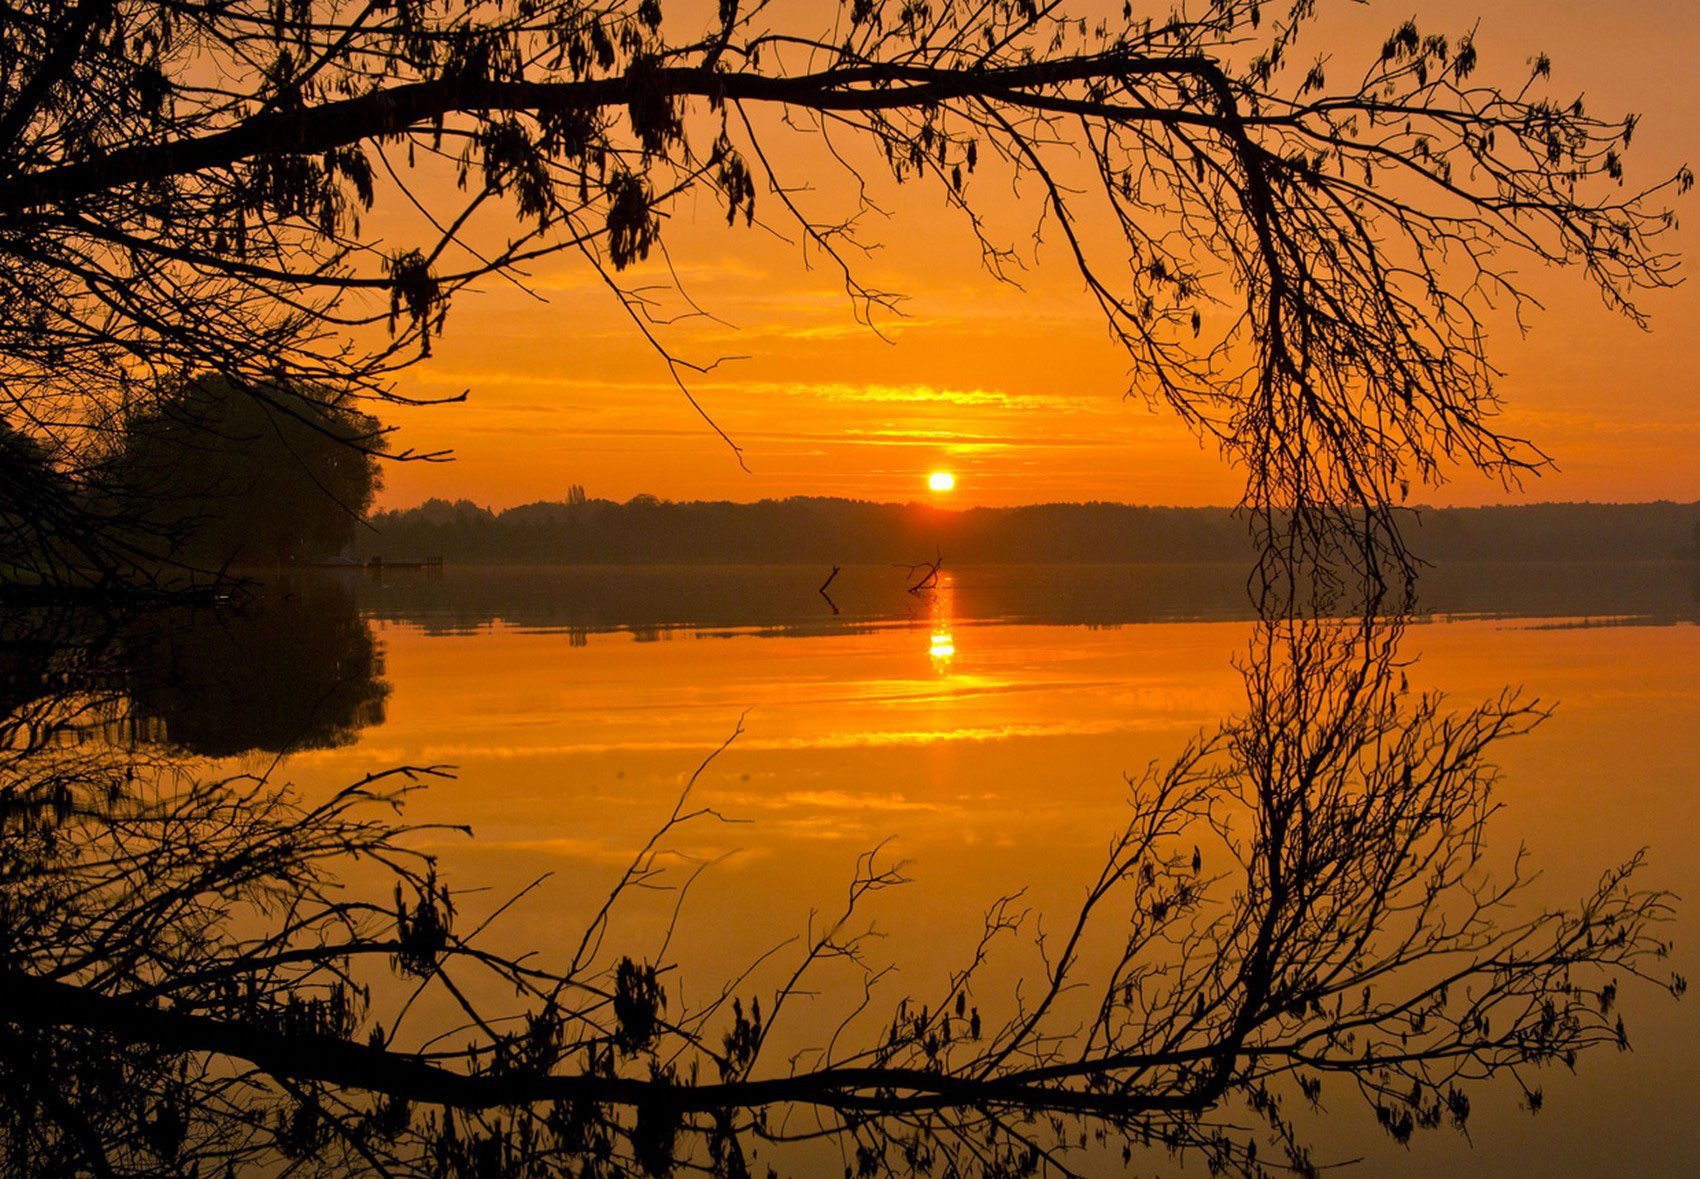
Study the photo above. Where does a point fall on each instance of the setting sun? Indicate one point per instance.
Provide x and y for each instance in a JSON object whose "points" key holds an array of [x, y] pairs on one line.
{"points": [[941, 481]]}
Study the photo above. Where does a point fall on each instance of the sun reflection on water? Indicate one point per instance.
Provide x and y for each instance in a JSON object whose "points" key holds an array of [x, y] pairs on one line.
{"points": [[941, 643], [943, 647]]}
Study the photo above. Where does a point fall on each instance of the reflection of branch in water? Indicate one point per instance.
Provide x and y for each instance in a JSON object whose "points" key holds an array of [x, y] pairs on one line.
{"points": [[830, 578], [1303, 899]]}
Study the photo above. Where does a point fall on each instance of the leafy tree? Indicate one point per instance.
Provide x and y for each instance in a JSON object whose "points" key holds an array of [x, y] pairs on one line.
{"points": [[230, 473], [47, 530], [25, 469], [1295, 254]]}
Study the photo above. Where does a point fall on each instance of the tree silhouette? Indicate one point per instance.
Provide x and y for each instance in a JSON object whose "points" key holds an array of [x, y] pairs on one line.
{"points": [[266, 474], [1297, 258], [1303, 902], [53, 533]]}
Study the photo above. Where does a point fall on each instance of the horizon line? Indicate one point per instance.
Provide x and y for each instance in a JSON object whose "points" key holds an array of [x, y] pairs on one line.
{"points": [[934, 505]]}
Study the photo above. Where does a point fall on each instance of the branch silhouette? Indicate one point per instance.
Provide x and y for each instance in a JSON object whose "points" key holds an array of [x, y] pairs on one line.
{"points": [[1298, 256]]}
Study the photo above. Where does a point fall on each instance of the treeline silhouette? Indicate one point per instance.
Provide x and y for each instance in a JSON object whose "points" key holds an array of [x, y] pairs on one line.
{"points": [[810, 530]]}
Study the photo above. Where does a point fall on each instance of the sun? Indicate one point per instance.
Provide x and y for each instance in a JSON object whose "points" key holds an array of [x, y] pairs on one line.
{"points": [[941, 481]]}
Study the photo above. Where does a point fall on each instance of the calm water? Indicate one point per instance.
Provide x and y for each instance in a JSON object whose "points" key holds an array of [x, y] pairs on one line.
{"points": [[985, 731]]}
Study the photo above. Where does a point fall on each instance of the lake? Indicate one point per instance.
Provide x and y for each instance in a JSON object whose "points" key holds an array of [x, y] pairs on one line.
{"points": [[986, 730], [988, 733]]}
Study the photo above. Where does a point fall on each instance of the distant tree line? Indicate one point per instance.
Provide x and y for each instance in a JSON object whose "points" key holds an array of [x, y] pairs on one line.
{"points": [[647, 530]]}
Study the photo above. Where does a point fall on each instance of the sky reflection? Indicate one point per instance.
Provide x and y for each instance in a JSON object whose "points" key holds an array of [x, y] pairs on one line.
{"points": [[1001, 766]]}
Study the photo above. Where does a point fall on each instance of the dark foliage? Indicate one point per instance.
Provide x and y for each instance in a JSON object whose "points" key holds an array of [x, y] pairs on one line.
{"points": [[1298, 260], [244, 475]]}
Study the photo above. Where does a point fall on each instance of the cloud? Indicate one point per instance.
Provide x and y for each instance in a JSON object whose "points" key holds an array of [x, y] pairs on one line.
{"points": [[880, 394]]}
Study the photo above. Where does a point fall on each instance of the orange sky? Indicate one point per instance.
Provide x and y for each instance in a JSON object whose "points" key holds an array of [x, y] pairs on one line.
{"points": [[1019, 392]]}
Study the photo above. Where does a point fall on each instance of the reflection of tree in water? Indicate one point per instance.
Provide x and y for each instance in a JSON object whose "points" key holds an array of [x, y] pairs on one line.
{"points": [[281, 669], [59, 685], [288, 670], [1301, 903]]}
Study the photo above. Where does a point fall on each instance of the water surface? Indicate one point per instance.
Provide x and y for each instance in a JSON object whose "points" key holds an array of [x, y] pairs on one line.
{"points": [[984, 733]]}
